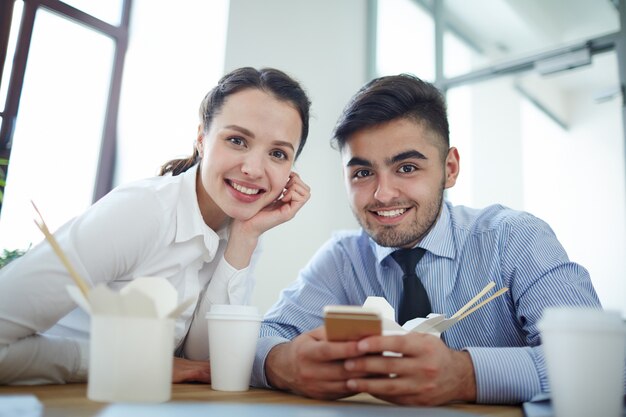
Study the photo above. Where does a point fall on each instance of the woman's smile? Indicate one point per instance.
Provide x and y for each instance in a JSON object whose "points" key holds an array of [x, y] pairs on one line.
{"points": [[244, 192]]}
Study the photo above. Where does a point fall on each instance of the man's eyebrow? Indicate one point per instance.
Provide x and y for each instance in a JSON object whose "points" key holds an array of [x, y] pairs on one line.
{"points": [[413, 154], [358, 161]]}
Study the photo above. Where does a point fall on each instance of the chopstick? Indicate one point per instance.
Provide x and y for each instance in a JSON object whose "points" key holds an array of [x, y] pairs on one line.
{"points": [[82, 285], [470, 311], [473, 300]]}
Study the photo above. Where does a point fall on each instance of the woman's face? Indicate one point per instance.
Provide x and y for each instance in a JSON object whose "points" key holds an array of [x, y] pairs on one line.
{"points": [[247, 155]]}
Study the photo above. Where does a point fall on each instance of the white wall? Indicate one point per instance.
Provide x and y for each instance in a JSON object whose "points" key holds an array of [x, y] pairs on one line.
{"points": [[485, 126], [322, 44], [497, 147], [574, 178], [583, 195]]}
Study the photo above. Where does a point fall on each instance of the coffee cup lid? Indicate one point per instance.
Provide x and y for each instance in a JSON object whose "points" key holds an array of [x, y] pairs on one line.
{"points": [[581, 318], [234, 312]]}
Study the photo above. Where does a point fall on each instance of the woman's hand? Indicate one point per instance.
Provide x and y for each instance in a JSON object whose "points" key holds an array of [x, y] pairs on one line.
{"points": [[244, 234], [295, 194], [185, 370]]}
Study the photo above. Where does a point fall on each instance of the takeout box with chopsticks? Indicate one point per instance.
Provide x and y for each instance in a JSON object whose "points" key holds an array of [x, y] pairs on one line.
{"points": [[434, 324], [131, 339], [131, 333]]}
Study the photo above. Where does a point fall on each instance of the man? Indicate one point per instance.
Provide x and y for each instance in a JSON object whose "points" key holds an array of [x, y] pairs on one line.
{"points": [[394, 142]]}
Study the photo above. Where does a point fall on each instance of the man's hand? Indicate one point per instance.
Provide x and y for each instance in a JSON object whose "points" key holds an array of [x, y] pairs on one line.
{"points": [[311, 366], [185, 370], [428, 373]]}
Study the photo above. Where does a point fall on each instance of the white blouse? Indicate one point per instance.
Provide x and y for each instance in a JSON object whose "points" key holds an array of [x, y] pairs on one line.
{"points": [[151, 227]]}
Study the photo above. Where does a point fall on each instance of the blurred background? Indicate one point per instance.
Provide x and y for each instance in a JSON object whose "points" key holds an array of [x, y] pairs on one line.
{"points": [[98, 93]]}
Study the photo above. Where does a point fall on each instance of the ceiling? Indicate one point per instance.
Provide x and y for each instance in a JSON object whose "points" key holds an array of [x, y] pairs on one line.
{"points": [[504, 28]]}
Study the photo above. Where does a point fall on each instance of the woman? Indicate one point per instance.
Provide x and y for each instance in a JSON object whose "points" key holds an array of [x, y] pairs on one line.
{"points": [[198, 227]]}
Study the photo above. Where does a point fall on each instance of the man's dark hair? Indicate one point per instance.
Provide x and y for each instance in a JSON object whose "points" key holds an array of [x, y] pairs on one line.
{"points": [[392, 97]]}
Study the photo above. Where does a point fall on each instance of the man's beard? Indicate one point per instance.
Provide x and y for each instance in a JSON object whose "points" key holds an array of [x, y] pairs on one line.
{"points": [[400, 235]]}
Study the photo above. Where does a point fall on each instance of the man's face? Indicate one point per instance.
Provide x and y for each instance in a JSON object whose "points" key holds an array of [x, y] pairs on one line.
{"points": [[395, 176]]}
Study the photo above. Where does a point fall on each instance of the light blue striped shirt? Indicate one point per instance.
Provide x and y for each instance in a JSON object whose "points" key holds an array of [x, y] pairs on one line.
{"points": [[466, 249]]}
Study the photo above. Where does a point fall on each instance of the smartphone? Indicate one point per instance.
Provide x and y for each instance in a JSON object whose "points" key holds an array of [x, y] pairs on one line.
{"points": [[344, 323]]}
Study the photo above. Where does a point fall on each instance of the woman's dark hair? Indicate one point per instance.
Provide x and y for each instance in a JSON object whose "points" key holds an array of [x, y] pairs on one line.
{"points": [[270, 80], [392, 97]]}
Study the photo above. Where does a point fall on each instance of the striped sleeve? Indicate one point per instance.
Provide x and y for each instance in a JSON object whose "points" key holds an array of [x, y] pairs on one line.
{"points": [[300, 306], [263, 347], [505, 375]]}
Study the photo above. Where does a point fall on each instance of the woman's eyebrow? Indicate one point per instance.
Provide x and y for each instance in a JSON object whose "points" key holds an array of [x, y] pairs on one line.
{"points": [[283, 143], [249, 133], [240, 129]]}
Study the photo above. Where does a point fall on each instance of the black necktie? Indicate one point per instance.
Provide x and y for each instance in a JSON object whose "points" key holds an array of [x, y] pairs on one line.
{"points": [[415, 301]]}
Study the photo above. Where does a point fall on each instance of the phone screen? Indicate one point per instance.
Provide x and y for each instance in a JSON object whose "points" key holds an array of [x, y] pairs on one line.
{"points": [[344, 323]]}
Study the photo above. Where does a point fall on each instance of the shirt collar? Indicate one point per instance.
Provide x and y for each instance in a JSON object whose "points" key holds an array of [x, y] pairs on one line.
{"points": [[189, 221], [439, 240]]}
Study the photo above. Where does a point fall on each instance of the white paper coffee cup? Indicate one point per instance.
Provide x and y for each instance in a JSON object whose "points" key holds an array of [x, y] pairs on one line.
{"points": [[584, 352], [130, 359], [233, 335]]}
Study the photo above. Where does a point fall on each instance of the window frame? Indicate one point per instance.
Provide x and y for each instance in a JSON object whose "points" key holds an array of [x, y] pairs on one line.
{"points": [[8, 114]]}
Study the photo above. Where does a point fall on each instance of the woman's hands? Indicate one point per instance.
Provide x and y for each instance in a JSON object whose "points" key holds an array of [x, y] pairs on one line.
{"points": [[244, 234], [295, 194], [185, 370]]}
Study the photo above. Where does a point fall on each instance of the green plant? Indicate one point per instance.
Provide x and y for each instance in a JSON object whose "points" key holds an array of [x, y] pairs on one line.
{"points": [[10, 255]]}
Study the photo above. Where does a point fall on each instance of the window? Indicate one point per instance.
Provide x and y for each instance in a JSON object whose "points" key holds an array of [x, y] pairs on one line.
{"points": [[56, 157], [54, 113]]}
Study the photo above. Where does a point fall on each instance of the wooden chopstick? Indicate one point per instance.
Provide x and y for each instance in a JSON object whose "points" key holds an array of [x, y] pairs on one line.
{"points": [[82, 285], [470, 311], [475, 299]]}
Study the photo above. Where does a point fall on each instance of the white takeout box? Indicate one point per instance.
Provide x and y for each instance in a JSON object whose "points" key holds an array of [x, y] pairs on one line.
{"points": [[131, 339], [434, 324]]}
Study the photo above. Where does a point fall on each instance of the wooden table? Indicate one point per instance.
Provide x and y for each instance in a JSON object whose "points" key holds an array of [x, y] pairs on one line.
{"points": [[71, 400]]}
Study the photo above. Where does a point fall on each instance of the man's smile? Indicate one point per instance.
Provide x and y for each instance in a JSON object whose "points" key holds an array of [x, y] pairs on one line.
{"points": [[390, 213]]}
